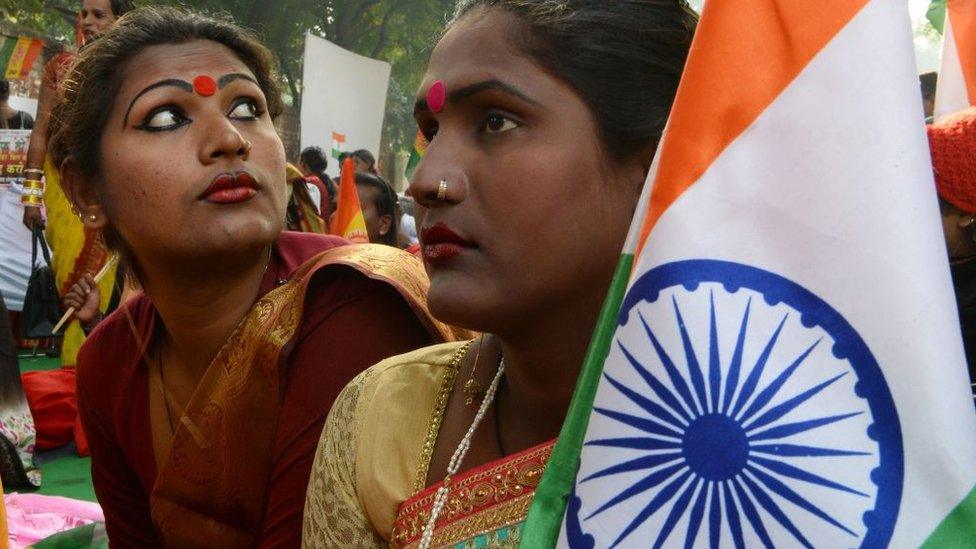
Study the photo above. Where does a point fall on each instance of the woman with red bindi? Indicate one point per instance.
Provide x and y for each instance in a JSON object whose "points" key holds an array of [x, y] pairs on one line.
{"points": [[203, 397]]}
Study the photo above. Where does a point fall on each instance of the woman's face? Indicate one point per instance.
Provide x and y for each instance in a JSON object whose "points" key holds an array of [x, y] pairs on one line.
{"points": [[96, 18], [191, 164], [377, 226], [535, 213]]}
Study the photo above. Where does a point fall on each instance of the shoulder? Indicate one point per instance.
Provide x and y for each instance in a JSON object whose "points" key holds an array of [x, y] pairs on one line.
{"points": [[112, 347], [387, 412]]}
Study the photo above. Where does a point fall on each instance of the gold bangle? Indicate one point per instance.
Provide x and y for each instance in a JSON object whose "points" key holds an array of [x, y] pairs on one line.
{"points": [[33, 183], [34, 170], [31, 200]]}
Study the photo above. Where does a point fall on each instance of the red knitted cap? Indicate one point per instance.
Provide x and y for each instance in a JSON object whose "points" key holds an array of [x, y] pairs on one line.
{"points": [[953, 144]]}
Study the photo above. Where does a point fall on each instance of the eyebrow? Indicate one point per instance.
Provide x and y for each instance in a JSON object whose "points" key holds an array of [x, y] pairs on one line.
{"points": [[228, 78], [185, 86], [474, 89], [172, 82]]}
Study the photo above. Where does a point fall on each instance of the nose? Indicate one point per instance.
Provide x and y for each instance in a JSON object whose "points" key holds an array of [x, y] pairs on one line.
{"points": [[223, 141], [440, 179]]}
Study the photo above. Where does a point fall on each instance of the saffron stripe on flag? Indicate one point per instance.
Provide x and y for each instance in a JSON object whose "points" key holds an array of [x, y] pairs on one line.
{"points": [[962, 19], [786, 35]]}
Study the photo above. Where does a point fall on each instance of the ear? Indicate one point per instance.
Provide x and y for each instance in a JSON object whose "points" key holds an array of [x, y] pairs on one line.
{"points": [[639, 167], [386, 223], [82, 195], [964, 221]]}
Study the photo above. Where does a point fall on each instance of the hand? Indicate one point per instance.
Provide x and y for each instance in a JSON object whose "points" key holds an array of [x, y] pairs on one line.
{"points": [[84, 297], [33, 217]]}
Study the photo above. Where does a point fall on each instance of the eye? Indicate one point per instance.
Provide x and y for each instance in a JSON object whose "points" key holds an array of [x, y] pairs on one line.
{"points": [[245, 109], [162, 119], [496, 123]]}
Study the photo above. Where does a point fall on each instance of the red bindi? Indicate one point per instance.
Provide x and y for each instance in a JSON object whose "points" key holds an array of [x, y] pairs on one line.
{"points": [[436, 96], [205, 86]]}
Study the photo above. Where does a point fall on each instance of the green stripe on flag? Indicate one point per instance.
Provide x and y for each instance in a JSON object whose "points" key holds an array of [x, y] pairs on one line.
{"points": [[936, 15], [549, 504], [6, 52], [958, 529]]}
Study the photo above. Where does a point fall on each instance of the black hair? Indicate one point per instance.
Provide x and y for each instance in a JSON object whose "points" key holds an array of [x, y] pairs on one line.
{"points": [[4, 90], [624, 58], [928, 81], [386, 203], [366, 157], [315, 160], [121, 7]]}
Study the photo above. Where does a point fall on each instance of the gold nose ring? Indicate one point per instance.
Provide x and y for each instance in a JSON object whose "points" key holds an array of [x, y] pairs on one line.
{"points": [[442, 190]]}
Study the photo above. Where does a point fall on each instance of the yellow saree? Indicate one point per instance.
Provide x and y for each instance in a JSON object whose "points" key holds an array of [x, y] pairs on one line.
{"points": [[76, 251], [367, 483]]}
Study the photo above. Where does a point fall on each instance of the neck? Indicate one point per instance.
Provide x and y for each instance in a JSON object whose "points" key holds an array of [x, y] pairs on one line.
{"points": [[543, 360], [201, 307]]}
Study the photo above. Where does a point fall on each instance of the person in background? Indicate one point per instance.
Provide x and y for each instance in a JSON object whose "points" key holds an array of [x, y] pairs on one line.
{"points": [[952, 141], [76, 251], [378, 202], [929, 82], [11, 118], [365, 161], [203, 396], [534, 116], [302, 214], [313, 164]]}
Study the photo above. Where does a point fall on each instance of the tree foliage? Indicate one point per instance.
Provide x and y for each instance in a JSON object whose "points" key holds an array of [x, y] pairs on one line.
{"points": [[400, 32]]}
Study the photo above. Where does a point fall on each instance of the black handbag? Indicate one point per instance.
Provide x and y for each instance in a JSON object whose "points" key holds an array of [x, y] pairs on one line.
{"points": [[42, 306]]}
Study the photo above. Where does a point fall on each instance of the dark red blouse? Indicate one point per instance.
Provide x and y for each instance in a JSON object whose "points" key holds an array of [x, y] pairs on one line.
{"points": [[350, 323]]}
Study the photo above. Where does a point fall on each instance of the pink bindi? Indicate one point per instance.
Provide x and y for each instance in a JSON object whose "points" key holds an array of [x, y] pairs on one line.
{"points": [[205, 86], [436, 96]]}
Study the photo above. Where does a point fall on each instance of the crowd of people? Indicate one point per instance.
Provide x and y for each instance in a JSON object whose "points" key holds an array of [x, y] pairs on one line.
{"points": [[247, 378]]}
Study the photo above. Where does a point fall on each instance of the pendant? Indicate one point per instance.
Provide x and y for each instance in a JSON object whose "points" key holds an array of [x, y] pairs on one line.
{"points": [[472, 388]]}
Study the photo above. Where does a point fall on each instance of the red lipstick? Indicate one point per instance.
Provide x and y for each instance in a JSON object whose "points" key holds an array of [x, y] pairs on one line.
{"points": [[440, 243], [231, 188]]}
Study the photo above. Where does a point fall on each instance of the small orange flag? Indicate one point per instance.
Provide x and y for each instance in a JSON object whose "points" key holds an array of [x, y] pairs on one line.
{"points": [[348, 221], [4, 538]]}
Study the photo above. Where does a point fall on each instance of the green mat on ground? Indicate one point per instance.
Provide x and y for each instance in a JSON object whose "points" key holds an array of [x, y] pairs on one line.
{"points": [[63, 473]]}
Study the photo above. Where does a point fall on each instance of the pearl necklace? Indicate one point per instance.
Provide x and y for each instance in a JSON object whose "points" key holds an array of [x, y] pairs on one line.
{"points": [[455, 464]]}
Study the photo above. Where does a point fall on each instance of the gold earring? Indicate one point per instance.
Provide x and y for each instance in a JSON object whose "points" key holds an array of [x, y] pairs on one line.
{"points": [[472, 388], [92, 218]]}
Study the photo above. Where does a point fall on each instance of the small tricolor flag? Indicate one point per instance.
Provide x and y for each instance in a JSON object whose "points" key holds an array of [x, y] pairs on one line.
{"points": [[416, 154], [348, 221], [957, 77], [779, 362], [18, 55], [338, 144]]}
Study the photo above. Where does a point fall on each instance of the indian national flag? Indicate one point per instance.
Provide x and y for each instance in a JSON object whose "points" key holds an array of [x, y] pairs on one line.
{"points": [[17, 56], [416, 154], [348, 221], [957, 77], [779, 362], [338, 144]]}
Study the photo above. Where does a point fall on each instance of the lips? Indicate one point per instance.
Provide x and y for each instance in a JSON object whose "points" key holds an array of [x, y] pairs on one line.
{"points": [[231, 188], [440, 243]]}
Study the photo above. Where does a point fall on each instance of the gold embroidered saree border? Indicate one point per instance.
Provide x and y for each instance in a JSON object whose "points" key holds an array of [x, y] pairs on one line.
{"points": [[437, 415], [492, 497]]}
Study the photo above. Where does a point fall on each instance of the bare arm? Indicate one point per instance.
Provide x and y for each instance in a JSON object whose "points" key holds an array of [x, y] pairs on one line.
{"points": [[38, 139]]}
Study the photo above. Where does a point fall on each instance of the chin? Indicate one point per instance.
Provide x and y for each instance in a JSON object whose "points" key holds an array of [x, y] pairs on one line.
{"points": [[459, 303]]}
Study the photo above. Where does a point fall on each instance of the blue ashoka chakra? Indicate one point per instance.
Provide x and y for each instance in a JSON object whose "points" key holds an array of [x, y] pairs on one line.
{"points": [[738, 409]]}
